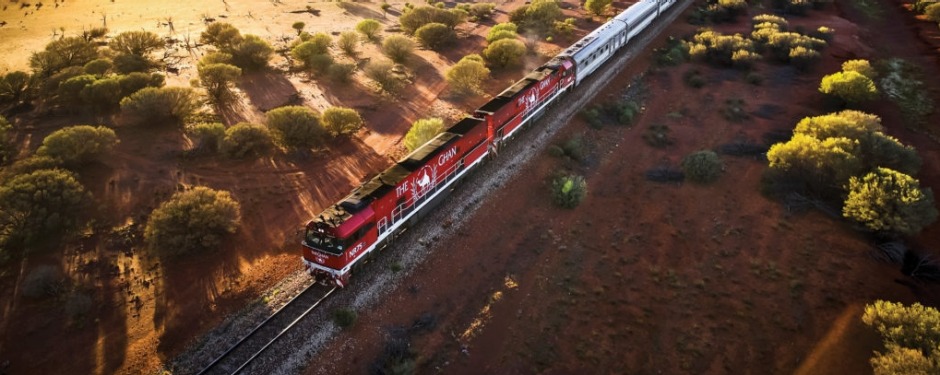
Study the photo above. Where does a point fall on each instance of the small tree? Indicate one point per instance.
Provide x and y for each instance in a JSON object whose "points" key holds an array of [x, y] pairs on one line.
{"points": [[915, 327], [504, 53], [78, 145], [157, 106], [369, 27], [221, 35], [62, 53], [14, 86], [135, 81], [862, 67], [422, 131], [251, 53], [467, 75], [349, 42], [341, 72], [385, 7], [38, 204], [298, 26], [244, 139], [218, 80], [597, 7], [702, 167], [852, 87], [192, 220], [482, 11], [139, 43], [569, 190], [314, 53], [889, 201], [103, 95], [382, 73], [127, 63], [341, 121], [295, 127], [98, 67], [540, 15], [398, 48]]}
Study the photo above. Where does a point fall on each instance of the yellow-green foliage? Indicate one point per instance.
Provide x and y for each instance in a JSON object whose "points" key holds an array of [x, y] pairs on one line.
{"points": [[77, 145], [196, 219], [505, 30], [782, 23], [36, 204], [467, 75], [862, 67], [341, 121], [422, 131], [832, 159], [369, 27], [886, 200], [848, 124], [852, 87], [504, 53], [716, 47]]}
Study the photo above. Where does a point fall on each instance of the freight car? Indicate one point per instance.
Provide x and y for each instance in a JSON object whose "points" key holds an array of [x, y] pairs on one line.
{"points": [[345, 233]]}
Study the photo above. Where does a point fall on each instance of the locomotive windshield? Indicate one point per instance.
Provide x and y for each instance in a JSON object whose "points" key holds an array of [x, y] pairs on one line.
{"points": [[324, 241]]}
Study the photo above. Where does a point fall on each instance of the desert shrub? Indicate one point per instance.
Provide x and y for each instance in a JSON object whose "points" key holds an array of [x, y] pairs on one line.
{"points": [[889, 201], [744, 59], [341, 72], [569, 190], [574, 148], [802, 57], [504, 53], [674, 53], [693, 78], [754, 78], [435, 35], [344, 317], [781, 22], [43, 281], [127, 63], [369, 27], [920, 6], [657, 135], [221, 35], [592, 116], [725, 10], [414, 19], [849, 124], [702, 167], [505, 30], [251, 53], [7, 148], [824, 166], [860, 66], [911, 336], [298, 26], [341, 121], [160, 106], [39, 204], [192, 220], [597, 7], [102, 95], [62, 53], [31, 164], [852, 87], [139, 43], [316, 44], [98, 67], [398, 48], [422, 131], [295, 127], [481, 11], [70, 90], [14, 86], [348, 42], [539, 15], [78, 145], [718, 48], [823, 33], [244, 139], [218, 79], [382, 72], [467, 76], [208, 135], [135, 81]]}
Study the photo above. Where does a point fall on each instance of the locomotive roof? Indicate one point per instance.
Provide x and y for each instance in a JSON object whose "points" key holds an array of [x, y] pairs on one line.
{"points": [[419, 157], [465, 126], [509, 94]]}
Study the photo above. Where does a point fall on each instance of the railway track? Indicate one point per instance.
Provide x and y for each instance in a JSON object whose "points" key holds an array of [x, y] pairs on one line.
{"points": [[252, 346]]}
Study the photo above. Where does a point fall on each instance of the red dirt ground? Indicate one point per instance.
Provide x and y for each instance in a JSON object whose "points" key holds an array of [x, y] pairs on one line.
{"points": [[652, 278]]}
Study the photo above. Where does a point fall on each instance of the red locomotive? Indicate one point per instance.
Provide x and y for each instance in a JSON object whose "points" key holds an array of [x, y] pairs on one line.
{"points": [[345, 233]]}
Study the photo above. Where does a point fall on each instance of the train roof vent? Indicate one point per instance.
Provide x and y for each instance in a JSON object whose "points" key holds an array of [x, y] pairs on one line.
{"points": [[420, 156], [353, 204]]}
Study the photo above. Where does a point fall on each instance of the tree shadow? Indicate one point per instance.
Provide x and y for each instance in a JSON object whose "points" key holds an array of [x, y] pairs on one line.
{"points": [[267, 90], [362, 11]]}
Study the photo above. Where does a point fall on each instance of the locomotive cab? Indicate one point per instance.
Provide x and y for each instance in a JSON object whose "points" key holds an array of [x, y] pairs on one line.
{"points": [[320, 236]]}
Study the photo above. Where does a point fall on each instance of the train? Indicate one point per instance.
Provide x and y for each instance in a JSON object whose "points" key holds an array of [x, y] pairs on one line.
{"points": [[374, 213]]}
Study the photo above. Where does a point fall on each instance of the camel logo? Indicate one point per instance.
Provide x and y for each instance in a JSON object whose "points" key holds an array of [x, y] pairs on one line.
{"points": [[424, 181]]}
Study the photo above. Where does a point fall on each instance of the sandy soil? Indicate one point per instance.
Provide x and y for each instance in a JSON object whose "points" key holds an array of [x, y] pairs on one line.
{"points": [[652, 278]]}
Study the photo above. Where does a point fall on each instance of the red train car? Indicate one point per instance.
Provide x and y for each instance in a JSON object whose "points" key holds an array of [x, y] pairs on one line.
{"points": [[347, 232]]}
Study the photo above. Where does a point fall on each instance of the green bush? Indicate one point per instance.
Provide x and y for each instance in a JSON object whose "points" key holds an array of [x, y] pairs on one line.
{"points": [[504, 53], [341, 121], [702, 167], [911, 336], [717, 48], [244, 139], [398, 48], [98, 67], [481, 11], [852, 87], [208, 136], [467, 76], [127, 63], [316, 44], [802, 57], [43, 281], [251, 53], [218, 80], [348, 42], [295, 127], [7, 148], [904, 85], [221, 35], [539, 15], [414, 19], [889, 201], [78, 145], [70, 90], [597, 7], [422, 131], [860, 66], [341, 72], [62, 53], [369, 27], [569, 190], [435, 35], [14, 86], [192, 220], [135, 81], [382, 72], [37, 205], [344, 317], [506, 30], [160, 106]]}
